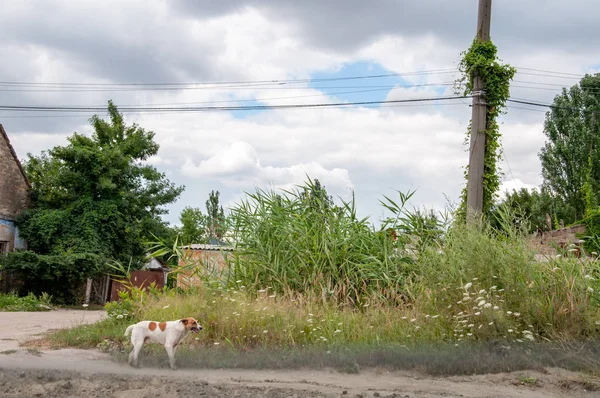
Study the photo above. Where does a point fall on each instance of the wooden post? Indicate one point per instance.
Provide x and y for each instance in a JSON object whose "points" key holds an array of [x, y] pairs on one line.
{"points": [[88, 291], [478, 124]]}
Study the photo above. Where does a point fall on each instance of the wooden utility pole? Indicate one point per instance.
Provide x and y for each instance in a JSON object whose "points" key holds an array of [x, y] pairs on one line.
{"points": [[478, 123]]}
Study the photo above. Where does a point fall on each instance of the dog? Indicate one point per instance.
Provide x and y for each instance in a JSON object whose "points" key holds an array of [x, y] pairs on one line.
{"points": [[168, 334]]}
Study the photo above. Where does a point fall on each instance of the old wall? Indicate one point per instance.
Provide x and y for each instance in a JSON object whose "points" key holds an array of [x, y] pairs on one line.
{"points": [[14, 195], [204, 261]]}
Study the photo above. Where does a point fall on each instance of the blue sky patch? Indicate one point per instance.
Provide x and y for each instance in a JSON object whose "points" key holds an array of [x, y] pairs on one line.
{"points": [[357, 90]]}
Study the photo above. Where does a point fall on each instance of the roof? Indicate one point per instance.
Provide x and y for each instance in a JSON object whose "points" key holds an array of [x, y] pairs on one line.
{"points": [[202, 246], [14, 154]]}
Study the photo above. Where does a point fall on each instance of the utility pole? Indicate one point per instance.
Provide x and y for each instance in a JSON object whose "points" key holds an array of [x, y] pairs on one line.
{"points": [[478, 123]]}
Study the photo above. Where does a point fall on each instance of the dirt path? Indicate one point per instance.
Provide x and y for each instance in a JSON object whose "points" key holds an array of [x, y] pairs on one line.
{"points": [[15, 327], [89, 373], [71, 373]]}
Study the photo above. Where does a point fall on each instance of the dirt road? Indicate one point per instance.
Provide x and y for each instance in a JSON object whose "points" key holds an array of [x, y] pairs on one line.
{"points": [[77, 373], [15, 327]]}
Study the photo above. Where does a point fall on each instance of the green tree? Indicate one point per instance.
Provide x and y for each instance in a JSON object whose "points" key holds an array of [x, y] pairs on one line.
{"points": [[96, 194], [571, 156], [194, 225], [533, 207], [216, 216]]}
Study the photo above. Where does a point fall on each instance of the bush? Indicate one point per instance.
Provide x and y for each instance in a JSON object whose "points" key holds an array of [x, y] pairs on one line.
{"points": [[12, 302], [61, 276]]}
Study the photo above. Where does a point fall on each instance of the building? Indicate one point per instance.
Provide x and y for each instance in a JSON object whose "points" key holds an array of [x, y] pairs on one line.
{"points": [[202, 260], [14, 195]]}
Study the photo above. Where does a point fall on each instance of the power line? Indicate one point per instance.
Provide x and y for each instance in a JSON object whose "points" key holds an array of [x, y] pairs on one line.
{"points": [[236, 83], [19, 108], [89, 114]]}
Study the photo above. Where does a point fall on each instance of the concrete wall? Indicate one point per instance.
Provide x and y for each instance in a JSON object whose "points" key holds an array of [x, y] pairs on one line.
{"points": [[204, 262], [544, 244]]}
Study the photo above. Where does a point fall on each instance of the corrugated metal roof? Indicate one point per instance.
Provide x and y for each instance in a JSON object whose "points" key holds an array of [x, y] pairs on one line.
{"points": [[202, 246]]}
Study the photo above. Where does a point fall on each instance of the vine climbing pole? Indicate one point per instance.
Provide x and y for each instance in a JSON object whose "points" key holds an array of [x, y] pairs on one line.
{"points": [[478, 123]]}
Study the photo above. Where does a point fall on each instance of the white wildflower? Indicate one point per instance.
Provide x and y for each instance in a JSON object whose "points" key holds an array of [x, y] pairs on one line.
{"points": [[587, 277], [510, 330], [487, 305], [493, 287], [517, 314], [478, 313], [482, 291], [468, 286], [469, 334], [509, 312], [470, 325], [590, 290], [216, 343], [119, 316], [496, 308], [85, 305], [337, 331], [265, 331], [413, 320], [481, 303]]}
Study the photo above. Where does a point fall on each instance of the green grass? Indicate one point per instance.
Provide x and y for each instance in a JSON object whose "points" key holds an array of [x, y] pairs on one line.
{"points": [[12, 302]]}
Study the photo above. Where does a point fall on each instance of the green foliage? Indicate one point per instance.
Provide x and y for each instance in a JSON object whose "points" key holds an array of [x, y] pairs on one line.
{"points": [[124, 308], [217, 223], [481, 60], [194, 225], [592, 231], [12, 302], [415, 229], [61, 276], [532, 207], [299, 242], [571, 156], [96, 194]]}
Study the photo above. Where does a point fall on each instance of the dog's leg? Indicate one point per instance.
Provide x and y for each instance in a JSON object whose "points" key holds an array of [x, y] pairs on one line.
{"points": [[171, 352], [135, 353]]}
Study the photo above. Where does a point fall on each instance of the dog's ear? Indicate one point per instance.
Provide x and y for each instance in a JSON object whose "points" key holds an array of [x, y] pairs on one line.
{"points": [[184, 321]]}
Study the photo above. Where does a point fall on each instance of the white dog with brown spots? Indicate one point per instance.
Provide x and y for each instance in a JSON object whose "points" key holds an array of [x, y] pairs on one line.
{"points": [[168, 334]]}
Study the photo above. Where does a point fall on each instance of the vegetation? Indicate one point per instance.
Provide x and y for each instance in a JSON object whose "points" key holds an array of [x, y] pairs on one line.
{"points": [[60, 276], [197, 227], [95, 195], [12, 302], [481, 60], [300, 243], [465, 286], [571, 155]]}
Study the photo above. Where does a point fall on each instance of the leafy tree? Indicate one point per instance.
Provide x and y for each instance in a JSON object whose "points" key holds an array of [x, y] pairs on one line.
{"points": [[216, 216], [571, 156], [194, 225], [95, 195], [533, 206]]}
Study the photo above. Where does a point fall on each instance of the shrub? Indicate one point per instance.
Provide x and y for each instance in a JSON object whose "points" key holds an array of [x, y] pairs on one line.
{"points": [[61, 276], [12, 302]]}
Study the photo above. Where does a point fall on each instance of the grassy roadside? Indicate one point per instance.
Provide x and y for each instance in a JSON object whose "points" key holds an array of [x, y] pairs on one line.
{"points": [[455, 301]]}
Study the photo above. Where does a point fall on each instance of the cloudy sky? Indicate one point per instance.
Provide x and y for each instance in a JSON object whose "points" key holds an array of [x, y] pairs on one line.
{"points": [[371, 150]]}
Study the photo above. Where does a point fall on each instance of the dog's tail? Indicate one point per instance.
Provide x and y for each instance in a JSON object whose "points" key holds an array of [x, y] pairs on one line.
{"points": [[129, 329]]}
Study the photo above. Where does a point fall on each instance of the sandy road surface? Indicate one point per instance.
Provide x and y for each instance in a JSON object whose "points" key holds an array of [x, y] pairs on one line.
{"points": [[90, 374], [15, 327]]}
